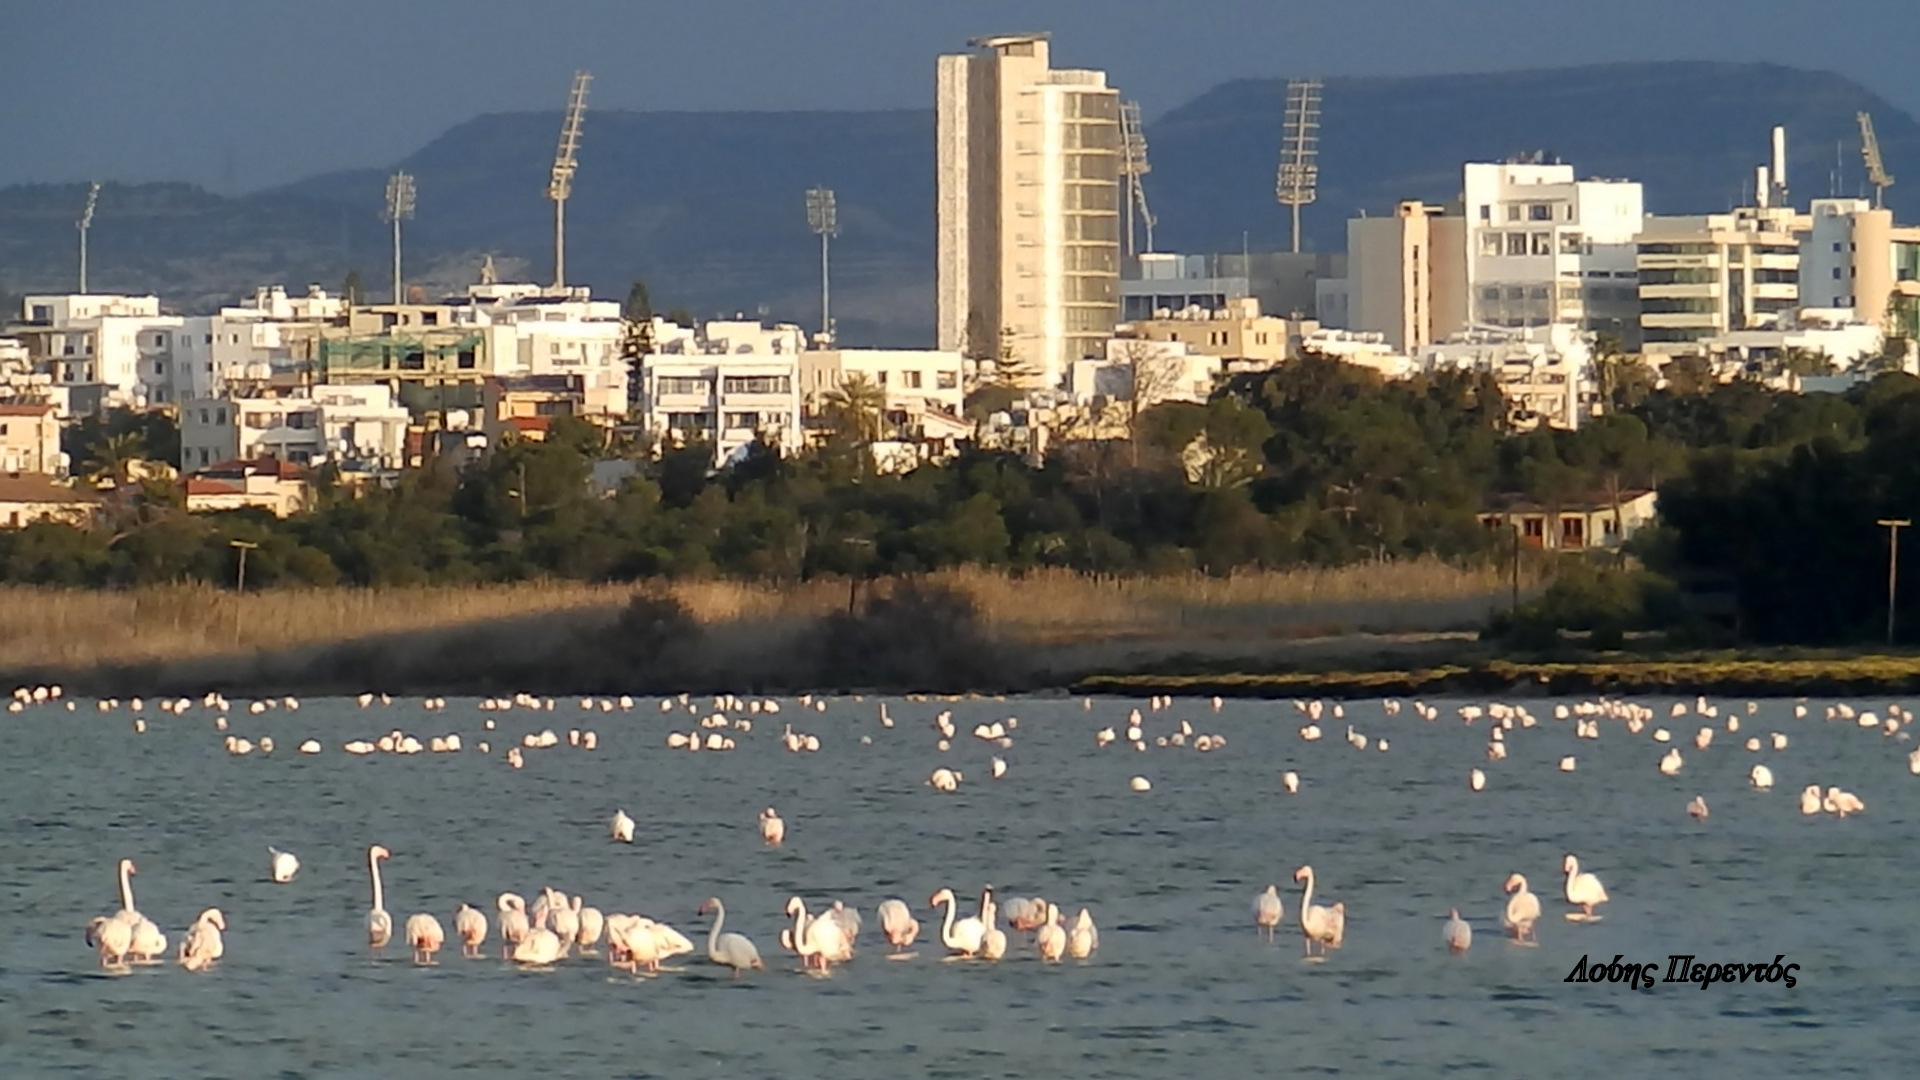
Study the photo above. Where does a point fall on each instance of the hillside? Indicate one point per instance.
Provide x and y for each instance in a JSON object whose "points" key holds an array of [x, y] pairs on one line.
{"points": [[708, 207]]}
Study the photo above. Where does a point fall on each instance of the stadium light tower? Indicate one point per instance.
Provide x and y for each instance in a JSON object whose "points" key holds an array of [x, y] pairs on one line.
{"points": [[1134, 166], [823, 217], [1298, 181], [400, 193], [565, 162], [1877, 173], [85, 223]]}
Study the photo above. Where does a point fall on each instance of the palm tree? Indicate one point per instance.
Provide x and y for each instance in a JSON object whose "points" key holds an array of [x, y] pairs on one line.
{"points": [[113, 457], [856, 408]]}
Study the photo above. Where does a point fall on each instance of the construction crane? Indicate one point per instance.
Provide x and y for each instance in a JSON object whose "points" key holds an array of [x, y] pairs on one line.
{"points": [[1877, 173], [400, 193], [85, 223], [565, 161], [1133, 166], [1298, 181]]}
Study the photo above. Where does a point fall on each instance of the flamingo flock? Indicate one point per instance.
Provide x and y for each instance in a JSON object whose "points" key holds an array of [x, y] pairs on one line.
{"points": [[556, 926]]}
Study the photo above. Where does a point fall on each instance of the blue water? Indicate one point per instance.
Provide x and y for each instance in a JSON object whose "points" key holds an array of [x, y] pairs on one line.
{"points": [[1181, 986]]}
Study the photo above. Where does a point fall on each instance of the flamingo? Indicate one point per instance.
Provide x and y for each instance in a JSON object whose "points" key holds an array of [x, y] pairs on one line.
{"points": [[540, 945], [819, 941], [1317, 923], [145, 941], [565, 919], [1522, 911], [424, 936], [962, 938], [379, 923], [203, 945], [849, 920], [514, 924], [630, 943], [728, 950], [592, 925], [1267, 911], [1810, 801], [1457, 934], [113, 938], [772, 830], [1583, 888], [1761, 778], [1084, 938], [897, 924], [1697, 809], [470, 923], [284, 865], [621, 827], [993, 940], [1051, 941]]}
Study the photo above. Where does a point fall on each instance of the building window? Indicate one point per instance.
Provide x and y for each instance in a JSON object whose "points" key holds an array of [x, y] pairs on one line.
{"points": [[910, 380], [1539, 212], [1836, 273], [1486, 212], [747, 420], [682, 384], [220, 415], [1516, 243], [1569, 243], [1490, 293], [1836, 246], [203, 417], [947, 380], [1513, 211], [761, 384], [1516, 293], [1490, 243], [1543, 243]]}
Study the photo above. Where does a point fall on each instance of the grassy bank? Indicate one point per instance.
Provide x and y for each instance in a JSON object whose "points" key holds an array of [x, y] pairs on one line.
{"points": [[1748, 677], [1055, 626]]}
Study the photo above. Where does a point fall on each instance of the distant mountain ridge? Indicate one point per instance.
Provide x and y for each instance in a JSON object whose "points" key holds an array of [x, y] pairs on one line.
{"points": [[708, 207]]}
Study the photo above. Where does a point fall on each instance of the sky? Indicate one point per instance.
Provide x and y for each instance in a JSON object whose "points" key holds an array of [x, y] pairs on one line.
{"points": [[239, 96]]}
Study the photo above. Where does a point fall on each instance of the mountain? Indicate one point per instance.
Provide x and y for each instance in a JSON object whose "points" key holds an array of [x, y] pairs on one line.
{"points": [[709, 207]]}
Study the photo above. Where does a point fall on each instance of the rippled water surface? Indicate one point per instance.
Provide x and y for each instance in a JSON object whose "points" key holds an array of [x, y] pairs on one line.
{"points": [[1181, 985]]}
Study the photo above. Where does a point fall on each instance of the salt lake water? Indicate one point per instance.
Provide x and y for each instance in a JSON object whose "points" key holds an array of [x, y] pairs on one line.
{"points": [[1181, 984]]}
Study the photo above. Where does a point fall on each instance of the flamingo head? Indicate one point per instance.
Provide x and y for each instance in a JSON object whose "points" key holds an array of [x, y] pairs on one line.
{"points": [[213, 915], [93, 929], [796, 906], [1303, 873], [1453, 913], [1514, 881], [944, 896], [1570, 865], [705, 904], [378, 852]]}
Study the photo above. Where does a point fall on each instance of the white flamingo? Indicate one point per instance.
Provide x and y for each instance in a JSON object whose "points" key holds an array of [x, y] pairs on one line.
{"points": [[1583, 888], [773, 831], [1084, 937], [592, 925], [993, 940], [1522, 910], [897, 924], [470, 923], [621, 827], [1051, 941], [424, 937], [962, 938], [1268, 911], [514, 923], [1457, 934], [379, 923], [1322, 925], [284, 865], [729, 950], [203, 944]]}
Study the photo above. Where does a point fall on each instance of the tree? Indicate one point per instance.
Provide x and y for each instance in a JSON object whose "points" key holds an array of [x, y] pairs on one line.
{"points": [[1152, 373], [856, 408], [639, 305], [1011, 367], [352, 290], [112, 458], [1623, 378]]}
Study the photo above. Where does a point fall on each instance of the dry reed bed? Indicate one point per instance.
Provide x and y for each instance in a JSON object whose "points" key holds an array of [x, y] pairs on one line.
{"points": [[53, 628]]}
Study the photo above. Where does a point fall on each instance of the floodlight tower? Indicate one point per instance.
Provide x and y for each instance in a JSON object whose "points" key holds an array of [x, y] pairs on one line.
{"points": [[1877, 173], [85, 223], [1298, 181], [399, 208], [1133, 166], [823, 217], [560, 184]]}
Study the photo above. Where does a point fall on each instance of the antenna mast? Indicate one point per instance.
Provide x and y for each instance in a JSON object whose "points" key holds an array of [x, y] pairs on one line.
{"points": [[85, 223], [823, 217], [1133, 166], [1877, 174], [399, 208], [1298, 181], [565, 161]]}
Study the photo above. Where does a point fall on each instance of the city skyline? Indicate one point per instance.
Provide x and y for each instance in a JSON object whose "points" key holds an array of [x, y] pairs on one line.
{"points": [[185, 86]]}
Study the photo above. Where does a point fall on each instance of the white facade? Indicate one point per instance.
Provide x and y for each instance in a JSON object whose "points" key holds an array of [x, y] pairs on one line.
{"points": [[1361, 348], [1832, 332], [1546, 373], [1028, 249], [95, 340], [915, 380], [727, 383], [1704, 275], [1543, 248], [346, 424], [1146, 373]]}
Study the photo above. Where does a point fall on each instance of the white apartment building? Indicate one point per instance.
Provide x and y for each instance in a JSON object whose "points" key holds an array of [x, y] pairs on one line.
{"points": [[1146, 373], [1362, 348], [1029, 205], [30, 440], [359, 425], [94, 345], [916, 381], [1545, 373], [253, 342], [1853, 256], [1704, 275], [727, 383], [1527, 245]]}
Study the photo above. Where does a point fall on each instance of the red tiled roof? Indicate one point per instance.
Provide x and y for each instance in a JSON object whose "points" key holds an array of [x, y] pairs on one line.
{"points": [[25, 410], [530, 423], [37, 488]]}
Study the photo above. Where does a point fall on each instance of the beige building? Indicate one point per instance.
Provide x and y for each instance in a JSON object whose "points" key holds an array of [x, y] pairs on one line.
{"points": [[1854, 257], [30, 440], [1702, 276], [1029, 206], [1577, 524], [1235, 332], [26, 498], [916, 381], [278, 487], [1406, 275]]}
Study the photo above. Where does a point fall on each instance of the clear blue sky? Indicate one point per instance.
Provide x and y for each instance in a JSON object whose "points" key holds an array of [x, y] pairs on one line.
{"points": [[243, 95]]}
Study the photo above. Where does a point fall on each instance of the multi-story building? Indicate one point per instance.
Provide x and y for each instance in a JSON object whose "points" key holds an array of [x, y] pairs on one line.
{"points": [[727, 384], [1235, 331], [30, 440], [915, 381], [1853, 256], [359, 426], [1702, 276], [1545, 373], [1029, 206], [95, 346], [1284, 282]]}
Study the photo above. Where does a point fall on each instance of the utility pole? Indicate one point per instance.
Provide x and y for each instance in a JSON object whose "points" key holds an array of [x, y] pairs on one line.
{"points": [[1516, 566], [240, 582], [1893, 527]]}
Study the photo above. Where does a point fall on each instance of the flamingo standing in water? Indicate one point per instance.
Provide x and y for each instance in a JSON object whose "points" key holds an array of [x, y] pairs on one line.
{"points": [[145, 942], [1084, 938], [962, 938], [203, 944], [1267, 911], [284, 865], [424, 937], [1051, 941], [993, 940], [897, 924], [1583, 888], [513, 922], [729, 950], [819, 941], [772, 830], [1324, 925], [379, 923], [1457, 934], [1522, 910], [470, 923], [621, 827]]}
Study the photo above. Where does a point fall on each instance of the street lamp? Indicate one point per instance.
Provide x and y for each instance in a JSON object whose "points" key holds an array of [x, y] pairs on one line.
{"points": [[1893, 527]]}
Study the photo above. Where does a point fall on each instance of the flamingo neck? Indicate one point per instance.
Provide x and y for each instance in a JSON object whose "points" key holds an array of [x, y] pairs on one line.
{"points": [[126, 887], [946, 928], [373, 864], [1306, 899], [713, 932], [800, 924]]}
